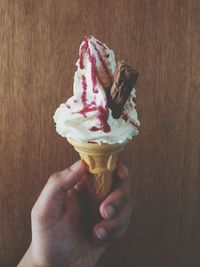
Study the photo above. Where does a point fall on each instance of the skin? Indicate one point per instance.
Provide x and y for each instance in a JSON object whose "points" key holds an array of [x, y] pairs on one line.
{"points": [[60, 236]]}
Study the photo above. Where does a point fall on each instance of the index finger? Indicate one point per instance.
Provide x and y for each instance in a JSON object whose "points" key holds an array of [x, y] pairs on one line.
{"points": [[54, 192]]}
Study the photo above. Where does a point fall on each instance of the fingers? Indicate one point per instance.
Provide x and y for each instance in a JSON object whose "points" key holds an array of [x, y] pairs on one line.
{"points": [[114, 228], [53, 195], [116, 209], [115, 201]]}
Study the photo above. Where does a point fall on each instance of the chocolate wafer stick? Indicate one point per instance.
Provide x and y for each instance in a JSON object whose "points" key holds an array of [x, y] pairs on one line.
{"points": [[124, 80]]}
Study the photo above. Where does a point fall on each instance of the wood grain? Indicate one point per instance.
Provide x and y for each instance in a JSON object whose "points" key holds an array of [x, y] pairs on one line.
{"points": [[39, 43]]}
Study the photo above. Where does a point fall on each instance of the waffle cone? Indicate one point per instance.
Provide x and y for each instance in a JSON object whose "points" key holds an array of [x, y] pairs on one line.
{"points": [[101, 160]]}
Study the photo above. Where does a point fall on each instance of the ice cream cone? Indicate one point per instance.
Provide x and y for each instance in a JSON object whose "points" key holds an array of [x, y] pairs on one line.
{"points": [[101, 161]]}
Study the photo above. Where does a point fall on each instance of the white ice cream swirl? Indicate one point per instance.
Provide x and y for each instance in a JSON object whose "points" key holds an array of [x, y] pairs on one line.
{"points": [[85, 116]]}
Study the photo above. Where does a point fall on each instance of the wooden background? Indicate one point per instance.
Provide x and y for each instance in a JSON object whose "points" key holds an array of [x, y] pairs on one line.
{"points": [[39, 43]]}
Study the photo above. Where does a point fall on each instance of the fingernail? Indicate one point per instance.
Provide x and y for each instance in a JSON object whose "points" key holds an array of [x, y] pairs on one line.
{"points": [[101, 233], [109, 212]]}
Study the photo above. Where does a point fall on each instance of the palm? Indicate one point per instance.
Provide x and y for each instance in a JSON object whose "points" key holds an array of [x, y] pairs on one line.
{"points": [[68, 231]]}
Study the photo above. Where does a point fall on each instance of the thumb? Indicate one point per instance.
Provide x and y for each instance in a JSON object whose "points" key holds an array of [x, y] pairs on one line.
{"points": [[53, 195]]}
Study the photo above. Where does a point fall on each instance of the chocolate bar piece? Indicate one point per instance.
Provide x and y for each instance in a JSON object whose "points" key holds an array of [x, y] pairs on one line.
{"points": [[123, 82]]}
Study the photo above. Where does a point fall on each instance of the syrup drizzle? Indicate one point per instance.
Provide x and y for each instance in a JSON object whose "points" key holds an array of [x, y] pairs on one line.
{"points": [[132, 123], [92, 59], [103, 117], [82, 48], [101, 44], [87, 108], [102, 61], [126, 118], [67, 105], [94, 129], [84, 93], [93, 70]]}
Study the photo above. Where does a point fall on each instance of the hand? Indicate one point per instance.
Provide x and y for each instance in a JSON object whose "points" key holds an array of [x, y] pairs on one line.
{"points": [[58, 236]]}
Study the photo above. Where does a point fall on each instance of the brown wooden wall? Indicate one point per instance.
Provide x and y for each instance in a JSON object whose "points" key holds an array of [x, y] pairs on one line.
{"points": [[39, 43]]}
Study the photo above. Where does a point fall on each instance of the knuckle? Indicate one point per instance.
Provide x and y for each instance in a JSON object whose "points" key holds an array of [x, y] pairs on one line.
{"points": [[36, 213], [69, 169], [56, 181], [54, 178]]}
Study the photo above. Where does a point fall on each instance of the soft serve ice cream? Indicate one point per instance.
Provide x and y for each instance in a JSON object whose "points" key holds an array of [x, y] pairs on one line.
{"points": [[96, 111]]}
